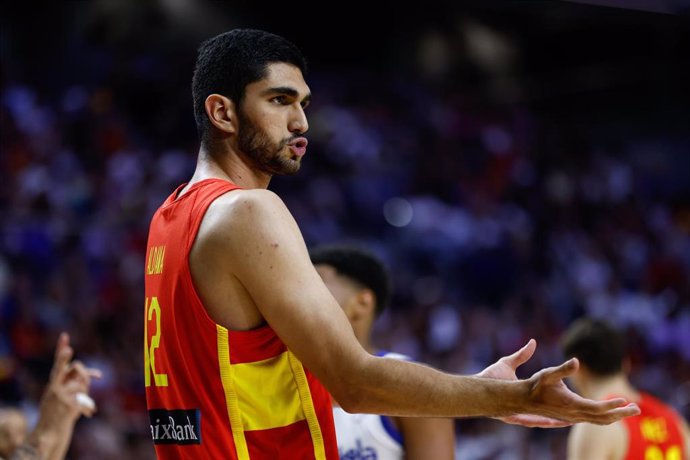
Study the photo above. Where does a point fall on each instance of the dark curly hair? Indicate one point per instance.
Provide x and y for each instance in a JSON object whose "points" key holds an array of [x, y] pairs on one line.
{"points": [[359, 265], [597, 345]]}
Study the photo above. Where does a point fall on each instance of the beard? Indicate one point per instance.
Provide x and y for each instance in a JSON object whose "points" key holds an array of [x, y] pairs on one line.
{"points": [[268, 156]]}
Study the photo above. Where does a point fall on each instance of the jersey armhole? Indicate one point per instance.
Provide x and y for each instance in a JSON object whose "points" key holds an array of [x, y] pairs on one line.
{"points": [[391, 429]]}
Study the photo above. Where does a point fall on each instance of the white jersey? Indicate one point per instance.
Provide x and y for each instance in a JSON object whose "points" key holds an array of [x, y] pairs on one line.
{"points": [[368, 436]]}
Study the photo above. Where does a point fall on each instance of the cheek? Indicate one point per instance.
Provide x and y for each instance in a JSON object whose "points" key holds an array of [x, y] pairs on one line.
{"points": [[269, 121], [337, 293], [341, 296]]}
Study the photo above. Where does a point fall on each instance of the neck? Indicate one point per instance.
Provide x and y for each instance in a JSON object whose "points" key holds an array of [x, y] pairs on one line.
{"points": [[362, 330], [601, 387], [229, 165]]}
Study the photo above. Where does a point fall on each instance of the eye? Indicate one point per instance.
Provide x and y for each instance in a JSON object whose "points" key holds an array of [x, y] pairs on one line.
{"points": [[280, 100], [305, 104]]}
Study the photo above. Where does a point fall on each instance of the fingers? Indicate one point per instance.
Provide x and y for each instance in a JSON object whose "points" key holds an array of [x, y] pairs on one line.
{"points": [[66, 395], [611, 415], [629, 410], [554, 374], [534, 421], [94, 373], [78, 372], [75, 389], [571, 407], [63, 369], [610, 404], [63, 355], [74, 395], [614, 410], [521, 356], [559, 402]]}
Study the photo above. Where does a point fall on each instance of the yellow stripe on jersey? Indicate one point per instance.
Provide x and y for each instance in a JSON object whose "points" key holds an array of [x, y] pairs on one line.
{"points": [[308, 405], [267, 393], [231, 400]]}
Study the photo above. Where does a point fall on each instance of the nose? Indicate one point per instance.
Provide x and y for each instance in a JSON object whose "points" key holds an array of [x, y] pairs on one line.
{"points": [[298, 123]]}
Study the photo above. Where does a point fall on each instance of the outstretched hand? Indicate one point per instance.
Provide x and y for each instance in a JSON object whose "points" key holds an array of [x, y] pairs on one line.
{"points": [[550, 396], [551, 403], [504, 369]]}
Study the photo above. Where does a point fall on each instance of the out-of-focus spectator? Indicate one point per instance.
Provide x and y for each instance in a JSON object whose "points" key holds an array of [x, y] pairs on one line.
{"points": [[64, 400]]}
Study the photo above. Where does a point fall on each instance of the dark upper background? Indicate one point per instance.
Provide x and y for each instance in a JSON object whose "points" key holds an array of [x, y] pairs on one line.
{"points": [[563, 55]]}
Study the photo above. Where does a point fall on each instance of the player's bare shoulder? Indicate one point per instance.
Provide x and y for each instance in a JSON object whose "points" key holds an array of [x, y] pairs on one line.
{"points": [[247, 208], [587, 440], [239, 217]]}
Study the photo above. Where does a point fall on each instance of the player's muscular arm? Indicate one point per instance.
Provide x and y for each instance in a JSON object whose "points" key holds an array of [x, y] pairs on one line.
{"points": [[265, 251], [268, 256], [428, 438], [226, 300]]}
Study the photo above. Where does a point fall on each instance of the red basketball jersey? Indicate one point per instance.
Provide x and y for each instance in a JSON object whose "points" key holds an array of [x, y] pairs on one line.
{"points": [[214, 393], [654, 434]]}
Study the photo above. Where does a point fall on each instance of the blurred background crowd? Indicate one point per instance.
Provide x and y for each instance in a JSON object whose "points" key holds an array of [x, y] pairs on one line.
{"points": [[516, 165]]}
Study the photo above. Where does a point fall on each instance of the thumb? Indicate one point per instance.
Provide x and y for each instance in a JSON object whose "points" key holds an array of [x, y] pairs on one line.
{"points": [[521, 356]]}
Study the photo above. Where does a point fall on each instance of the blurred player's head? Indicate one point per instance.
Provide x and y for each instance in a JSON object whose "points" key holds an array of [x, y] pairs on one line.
{"points": [[228, 62], [13, 430], [598, 346], [357, 279]]}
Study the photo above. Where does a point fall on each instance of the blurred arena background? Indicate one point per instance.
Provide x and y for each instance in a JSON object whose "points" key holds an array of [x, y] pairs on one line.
{"points": [[516, 164]]}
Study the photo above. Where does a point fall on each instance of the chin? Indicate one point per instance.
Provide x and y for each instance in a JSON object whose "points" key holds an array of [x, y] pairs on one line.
{"points": [[288, 168], [291, 165]]}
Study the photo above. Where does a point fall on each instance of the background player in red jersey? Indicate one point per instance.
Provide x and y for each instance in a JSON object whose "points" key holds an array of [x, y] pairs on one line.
{"points": [[659, 432]]}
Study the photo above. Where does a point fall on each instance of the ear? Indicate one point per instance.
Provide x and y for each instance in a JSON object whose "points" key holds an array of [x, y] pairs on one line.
{"points": [[220, 111]]}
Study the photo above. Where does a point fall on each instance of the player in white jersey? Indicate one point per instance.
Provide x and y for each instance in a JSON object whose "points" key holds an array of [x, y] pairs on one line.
{"points": [[361, 285], [368, 436]]}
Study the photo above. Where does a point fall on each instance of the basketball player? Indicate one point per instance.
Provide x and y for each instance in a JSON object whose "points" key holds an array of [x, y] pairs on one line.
{"points": [[659, 432], [243, 341], [360, 283]]}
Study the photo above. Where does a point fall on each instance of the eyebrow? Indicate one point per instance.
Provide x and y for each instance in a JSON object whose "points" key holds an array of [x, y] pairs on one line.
{"points": [[288, 91]]}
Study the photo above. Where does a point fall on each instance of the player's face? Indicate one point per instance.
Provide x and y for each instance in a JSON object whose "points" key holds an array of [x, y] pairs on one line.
{"points": [[271, 120], [340, 288], [13, 429]]}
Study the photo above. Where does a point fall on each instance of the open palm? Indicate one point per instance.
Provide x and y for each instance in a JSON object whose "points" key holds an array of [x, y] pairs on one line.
{"points": [[550, 403], [504, 369]]}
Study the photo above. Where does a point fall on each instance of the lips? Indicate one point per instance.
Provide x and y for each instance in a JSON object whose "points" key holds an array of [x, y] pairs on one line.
{"points": [[298, 146]]}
